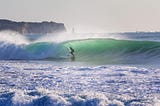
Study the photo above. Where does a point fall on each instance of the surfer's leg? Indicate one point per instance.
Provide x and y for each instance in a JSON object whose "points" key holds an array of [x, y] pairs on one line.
{"points": [[73, 58]]}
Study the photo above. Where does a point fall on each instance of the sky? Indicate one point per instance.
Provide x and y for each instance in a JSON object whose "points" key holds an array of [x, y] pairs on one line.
{"points": [[87, 15]]}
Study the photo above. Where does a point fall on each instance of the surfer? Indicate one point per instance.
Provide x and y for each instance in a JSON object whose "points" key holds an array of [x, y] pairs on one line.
{"points": [[72, 53]]}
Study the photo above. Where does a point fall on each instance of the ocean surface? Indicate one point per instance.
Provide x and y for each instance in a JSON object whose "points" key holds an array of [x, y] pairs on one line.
{"points": [[118, 69]]}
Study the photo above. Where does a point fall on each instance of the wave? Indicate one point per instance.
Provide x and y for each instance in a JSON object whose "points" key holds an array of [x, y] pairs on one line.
{"points": [[115, 51], [47, 50], [87, 50], [35, 51]]}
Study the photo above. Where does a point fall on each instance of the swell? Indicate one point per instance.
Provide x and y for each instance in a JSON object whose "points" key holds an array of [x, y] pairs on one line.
{"points": [[104, 51], [115, 51]]}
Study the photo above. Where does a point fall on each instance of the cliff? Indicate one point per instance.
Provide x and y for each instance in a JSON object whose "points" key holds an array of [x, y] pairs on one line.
{"points": [[32, 27]]}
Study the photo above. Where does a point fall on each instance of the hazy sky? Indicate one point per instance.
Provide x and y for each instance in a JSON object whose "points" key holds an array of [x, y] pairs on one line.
{"points": [[87, 15]]}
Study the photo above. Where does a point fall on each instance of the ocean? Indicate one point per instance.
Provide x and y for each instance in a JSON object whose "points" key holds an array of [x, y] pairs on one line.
{"points": [[115, 69]]}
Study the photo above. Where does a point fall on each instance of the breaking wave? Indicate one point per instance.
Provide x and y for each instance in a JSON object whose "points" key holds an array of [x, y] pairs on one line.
{"points": [[87, 50], [116, 51]]}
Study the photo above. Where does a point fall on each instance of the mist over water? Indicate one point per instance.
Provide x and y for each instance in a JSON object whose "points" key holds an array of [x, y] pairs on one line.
{"points": [[108, 69], [13, 37], [99, 48], [17, 38]]}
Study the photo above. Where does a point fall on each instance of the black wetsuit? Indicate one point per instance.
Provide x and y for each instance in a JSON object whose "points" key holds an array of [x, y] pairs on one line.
{"points": [[72, 53]]}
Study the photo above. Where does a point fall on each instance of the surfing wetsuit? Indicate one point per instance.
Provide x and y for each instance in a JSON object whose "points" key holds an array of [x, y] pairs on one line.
{"points": [[72, 53]]}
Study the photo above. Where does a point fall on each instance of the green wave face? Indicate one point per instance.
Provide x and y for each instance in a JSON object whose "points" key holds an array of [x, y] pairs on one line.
{"points": [[109, 51], [99, 51], [47, 50]]}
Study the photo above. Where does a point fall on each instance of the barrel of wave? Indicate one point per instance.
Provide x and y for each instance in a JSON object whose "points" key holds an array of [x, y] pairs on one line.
{"points": [[93, 50], [47, 50], [114, 51]]}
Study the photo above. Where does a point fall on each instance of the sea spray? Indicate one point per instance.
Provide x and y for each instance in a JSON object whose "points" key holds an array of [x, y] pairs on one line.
{"points": [[13, 37], [89, 49]]}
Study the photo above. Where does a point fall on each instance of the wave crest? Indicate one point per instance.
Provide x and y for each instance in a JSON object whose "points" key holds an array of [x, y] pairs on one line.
{"points": [[105, 51]]}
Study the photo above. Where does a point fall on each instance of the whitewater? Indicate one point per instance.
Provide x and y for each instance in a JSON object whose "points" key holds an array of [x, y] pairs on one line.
{"points": [[108, 69]]}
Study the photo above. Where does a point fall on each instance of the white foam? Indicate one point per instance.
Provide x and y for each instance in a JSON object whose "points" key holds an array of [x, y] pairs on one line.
{"points": [[45, 83]]}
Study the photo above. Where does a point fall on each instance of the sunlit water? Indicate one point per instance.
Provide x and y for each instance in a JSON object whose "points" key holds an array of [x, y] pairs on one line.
{"points": [[64, 82]]}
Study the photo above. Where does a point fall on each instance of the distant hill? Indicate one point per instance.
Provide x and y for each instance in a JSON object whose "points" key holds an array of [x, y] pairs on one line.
{"points": [[32, 27]]}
